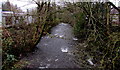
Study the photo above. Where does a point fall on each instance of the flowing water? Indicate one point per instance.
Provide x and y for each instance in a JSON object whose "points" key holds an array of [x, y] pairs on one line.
{"points": [[54, 50]]}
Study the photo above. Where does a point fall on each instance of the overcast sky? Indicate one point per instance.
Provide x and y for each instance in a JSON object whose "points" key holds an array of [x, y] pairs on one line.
{"points": [[27, 4]]}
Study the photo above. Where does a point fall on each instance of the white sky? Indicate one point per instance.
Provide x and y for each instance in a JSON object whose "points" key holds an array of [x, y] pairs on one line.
{"points": [[27, 4]]}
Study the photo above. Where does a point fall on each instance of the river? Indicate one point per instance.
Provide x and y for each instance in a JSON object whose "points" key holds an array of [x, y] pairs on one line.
{"points": [[54, 50]]}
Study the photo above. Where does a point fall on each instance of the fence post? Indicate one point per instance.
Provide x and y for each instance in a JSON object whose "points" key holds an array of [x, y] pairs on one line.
{"points": [[108, 17], [119, 19], [27, 16], [119, 14]]}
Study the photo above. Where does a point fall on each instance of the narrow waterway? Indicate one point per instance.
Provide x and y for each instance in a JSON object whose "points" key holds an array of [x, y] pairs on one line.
{"points": [[54, 50]]}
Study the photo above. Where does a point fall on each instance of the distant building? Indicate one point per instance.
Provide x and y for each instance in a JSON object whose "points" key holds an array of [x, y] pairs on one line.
{"points": [[115, 16], [11, 18], [11, 14], [114, 11]]}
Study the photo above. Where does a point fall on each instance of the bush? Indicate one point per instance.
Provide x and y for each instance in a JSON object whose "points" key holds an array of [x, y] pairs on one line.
{"points": [[79, 26], [18, 40], [102, 45]]}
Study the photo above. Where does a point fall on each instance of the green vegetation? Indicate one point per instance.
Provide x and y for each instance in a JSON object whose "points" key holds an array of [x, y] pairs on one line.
{"points": [[22, 38], [91, 22], [79, 26], [102, 44]]}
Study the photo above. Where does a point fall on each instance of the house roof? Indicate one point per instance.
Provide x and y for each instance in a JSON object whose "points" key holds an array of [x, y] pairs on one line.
{"points": [[114, 11]]}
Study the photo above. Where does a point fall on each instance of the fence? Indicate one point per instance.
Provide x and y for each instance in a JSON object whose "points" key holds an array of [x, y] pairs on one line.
{"points": [[11, 18]]}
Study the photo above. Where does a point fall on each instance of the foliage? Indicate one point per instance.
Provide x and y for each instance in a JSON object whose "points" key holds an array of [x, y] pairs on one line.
{"points": [[19, 40], [7, 6], [102, 44], [91, 25], [79, 26], [23, 38], [9, 61]]}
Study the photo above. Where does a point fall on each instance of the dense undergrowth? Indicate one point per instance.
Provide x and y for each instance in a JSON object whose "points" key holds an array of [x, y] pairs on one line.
{"points": [[22, 38], [101, 47]]}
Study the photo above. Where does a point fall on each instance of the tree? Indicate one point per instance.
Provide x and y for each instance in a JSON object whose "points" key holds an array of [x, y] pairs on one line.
{"points": [[7, 6]]}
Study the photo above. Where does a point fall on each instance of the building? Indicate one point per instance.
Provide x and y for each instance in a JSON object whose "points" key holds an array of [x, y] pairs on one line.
{"points": [[115, 16], [10, 18]]}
